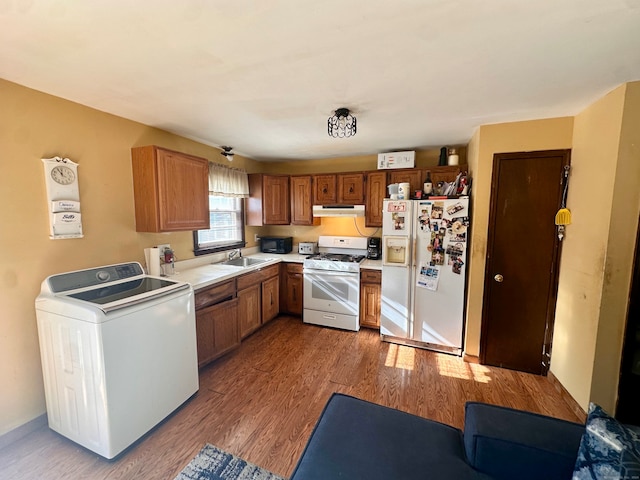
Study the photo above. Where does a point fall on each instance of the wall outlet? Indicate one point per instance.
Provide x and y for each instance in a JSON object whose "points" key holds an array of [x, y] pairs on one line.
{"points": [[256, 238], [162, 248]]}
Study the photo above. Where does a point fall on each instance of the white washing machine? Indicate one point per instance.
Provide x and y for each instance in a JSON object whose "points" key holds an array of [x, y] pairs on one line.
{"points": [[118, 351]]}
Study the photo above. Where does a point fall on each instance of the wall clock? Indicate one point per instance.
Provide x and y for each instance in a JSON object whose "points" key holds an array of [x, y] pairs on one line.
{"points": [[63, 197]]}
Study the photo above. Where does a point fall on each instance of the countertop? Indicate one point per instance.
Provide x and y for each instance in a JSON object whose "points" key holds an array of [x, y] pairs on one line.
{"points": [[202, 273]]}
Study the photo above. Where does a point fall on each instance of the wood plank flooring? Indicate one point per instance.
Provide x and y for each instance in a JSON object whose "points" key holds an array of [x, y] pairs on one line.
{"points": [[262, 401]]}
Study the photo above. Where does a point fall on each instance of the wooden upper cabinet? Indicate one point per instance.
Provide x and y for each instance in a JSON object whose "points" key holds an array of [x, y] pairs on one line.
{"points": [[444, 173], [268, 202], [324, 190], [170, 189], [412, 176], [301, 201], [376, 191], [350, 188]]}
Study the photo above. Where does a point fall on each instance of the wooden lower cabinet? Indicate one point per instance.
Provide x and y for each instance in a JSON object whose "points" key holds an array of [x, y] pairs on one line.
{"points": [[259, 294], [370, 297], [291, 284], [249, 310], [270, 299], [217, 330], [230, 311]]}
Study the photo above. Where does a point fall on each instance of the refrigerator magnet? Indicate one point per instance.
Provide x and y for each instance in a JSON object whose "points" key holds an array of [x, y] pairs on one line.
{"points": [[396, 207], [437, 210], [457, 237], [457, 266], [398, 221], [456, 249], [428, 277], [463, 220], [424, 220], [437, 257], [455, 208]]}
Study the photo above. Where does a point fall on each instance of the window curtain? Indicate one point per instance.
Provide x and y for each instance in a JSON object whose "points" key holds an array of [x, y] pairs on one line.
{"points": [[227, 182]]}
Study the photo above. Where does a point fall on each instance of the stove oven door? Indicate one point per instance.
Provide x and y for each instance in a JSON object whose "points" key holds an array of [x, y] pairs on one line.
{"points": [[332, 292]]}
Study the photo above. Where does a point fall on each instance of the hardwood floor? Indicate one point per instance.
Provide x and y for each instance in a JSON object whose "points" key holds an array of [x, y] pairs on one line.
{"points": [[262, 401]]}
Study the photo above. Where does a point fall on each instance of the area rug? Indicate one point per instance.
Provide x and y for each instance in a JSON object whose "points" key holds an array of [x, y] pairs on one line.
{"points": [[215, 464]]}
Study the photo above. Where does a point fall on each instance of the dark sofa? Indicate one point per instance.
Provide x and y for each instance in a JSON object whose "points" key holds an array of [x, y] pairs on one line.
{"points": [[355, 439]]}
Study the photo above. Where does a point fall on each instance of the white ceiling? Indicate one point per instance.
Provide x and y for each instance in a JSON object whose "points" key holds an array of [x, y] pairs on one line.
{"points": [[264, 75]]}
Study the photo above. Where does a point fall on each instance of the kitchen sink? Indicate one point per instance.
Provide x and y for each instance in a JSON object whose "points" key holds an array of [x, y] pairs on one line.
{"points": [[242, 262]]}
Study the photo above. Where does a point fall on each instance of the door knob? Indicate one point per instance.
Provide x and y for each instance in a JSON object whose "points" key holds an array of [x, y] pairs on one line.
{"points": [[498, 278]]}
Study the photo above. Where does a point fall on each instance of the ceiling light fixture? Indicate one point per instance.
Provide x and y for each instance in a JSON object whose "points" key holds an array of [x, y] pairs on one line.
{"points": [[228, 153], [341, 124]]}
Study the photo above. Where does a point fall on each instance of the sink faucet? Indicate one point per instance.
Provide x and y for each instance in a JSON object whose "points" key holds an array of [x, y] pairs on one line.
{"points": [[234, 253]]}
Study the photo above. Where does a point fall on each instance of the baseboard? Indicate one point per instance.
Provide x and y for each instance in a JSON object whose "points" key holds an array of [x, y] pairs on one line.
{"points": [[566, 396], [22, 431], [470, 358]]}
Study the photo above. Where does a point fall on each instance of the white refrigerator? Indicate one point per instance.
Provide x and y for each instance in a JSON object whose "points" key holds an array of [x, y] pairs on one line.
{"points": [[424, 256]]}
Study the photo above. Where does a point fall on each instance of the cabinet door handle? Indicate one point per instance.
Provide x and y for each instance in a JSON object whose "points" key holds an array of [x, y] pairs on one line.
{"points": [[351, 189]]}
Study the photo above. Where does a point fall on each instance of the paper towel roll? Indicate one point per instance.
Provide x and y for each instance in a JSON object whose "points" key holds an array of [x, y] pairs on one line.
{"points": [[152, 257]]}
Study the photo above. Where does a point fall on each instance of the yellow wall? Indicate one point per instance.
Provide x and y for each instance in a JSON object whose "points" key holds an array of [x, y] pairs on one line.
{"points": [[34, 125], [554, 133], [597, 257]]}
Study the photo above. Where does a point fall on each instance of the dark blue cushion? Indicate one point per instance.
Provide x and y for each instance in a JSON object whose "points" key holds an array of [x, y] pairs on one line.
{"points": [[509, 444], [355, 439], [608, 449]]}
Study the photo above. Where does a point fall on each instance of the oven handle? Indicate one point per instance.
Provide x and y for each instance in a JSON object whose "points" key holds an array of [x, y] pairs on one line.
{"points": [[329, 273]]}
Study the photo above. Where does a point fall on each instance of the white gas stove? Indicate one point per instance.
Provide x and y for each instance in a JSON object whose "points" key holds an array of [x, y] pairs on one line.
{"points": [[332, 282]]}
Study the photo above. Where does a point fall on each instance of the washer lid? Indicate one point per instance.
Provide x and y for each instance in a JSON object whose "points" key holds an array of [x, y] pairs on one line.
{"points": [[118, 295], [118, 291], [111, 287]]}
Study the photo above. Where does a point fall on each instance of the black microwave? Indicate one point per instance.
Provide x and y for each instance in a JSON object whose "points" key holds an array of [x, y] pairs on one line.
{"points": [[276, 244]]}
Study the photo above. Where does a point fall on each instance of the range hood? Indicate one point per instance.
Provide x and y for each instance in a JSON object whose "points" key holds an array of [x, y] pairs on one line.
{"points": [[338, 210]]}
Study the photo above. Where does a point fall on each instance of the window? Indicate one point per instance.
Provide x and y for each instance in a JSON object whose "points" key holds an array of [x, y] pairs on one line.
{"points": [[227, 187]]}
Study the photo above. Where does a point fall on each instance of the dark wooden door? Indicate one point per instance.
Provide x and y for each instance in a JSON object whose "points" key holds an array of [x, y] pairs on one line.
{"points": [[522, 260], [629, 387]]}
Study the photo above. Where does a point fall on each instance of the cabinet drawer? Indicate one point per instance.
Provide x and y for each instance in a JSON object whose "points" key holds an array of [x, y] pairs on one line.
{"points": [[371, 276], [215, 294], [294, 268], [257, 276]]}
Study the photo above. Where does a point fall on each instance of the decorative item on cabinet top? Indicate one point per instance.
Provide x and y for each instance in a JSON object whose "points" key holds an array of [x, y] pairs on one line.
{"points": [[396, 160], [63, 198]]}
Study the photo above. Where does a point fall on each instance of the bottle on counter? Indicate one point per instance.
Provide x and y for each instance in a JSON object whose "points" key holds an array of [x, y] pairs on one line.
{"points": [[427, 188]]}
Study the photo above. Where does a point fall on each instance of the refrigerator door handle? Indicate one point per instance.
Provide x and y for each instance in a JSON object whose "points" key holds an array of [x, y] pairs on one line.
{"points": [[413, 252]]}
